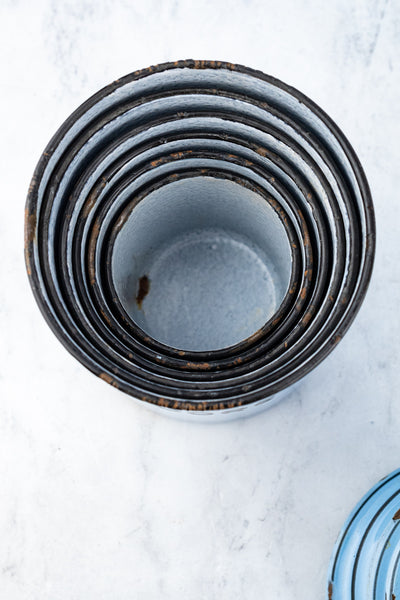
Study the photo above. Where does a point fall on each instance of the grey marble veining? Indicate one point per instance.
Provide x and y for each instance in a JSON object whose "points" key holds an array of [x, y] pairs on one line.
{"points": [[101, 498]]}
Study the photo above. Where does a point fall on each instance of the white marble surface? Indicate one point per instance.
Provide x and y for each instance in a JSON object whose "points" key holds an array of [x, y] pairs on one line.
{"points": [[101, 498]]}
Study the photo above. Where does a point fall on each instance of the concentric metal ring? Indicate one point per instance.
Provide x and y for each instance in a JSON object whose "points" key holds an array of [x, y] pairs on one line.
{"points": [[210, 120]]}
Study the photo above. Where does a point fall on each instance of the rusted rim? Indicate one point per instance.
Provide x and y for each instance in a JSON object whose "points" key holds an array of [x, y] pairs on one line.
{"points": [[101, 215], [203, 385]]}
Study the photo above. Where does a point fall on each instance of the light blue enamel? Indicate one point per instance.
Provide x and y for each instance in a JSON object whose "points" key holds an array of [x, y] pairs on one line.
{"points": [[365, 561]]}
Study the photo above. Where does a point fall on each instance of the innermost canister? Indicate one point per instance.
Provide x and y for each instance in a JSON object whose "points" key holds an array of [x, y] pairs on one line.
{"points": [[201, 263]]}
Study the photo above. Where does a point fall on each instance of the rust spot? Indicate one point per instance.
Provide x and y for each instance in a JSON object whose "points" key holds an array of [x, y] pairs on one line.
{"points": [[307, 318], [92, 199], [308, 274], [179, 155], [261, 151], [309, 196], [330, 590], [397, 516], [303, 293], [144, 288], [108, 379], [181, 353], [30, 227], [89, 205], [200, 366], [105, 317]]}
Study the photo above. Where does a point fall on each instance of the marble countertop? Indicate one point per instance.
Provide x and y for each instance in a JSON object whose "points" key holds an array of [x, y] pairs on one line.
{"points": [[101, 498]]}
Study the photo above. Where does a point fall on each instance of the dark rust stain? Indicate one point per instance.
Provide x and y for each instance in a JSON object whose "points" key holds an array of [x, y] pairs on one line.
{"points": [[144, 287], [30, 227], [92, 248], [92, 199], [330, 590], [397, 516], [89, 205]]}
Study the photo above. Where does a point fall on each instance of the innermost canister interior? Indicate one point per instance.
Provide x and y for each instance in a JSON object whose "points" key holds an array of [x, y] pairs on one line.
{"points": [[201, 263]]}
